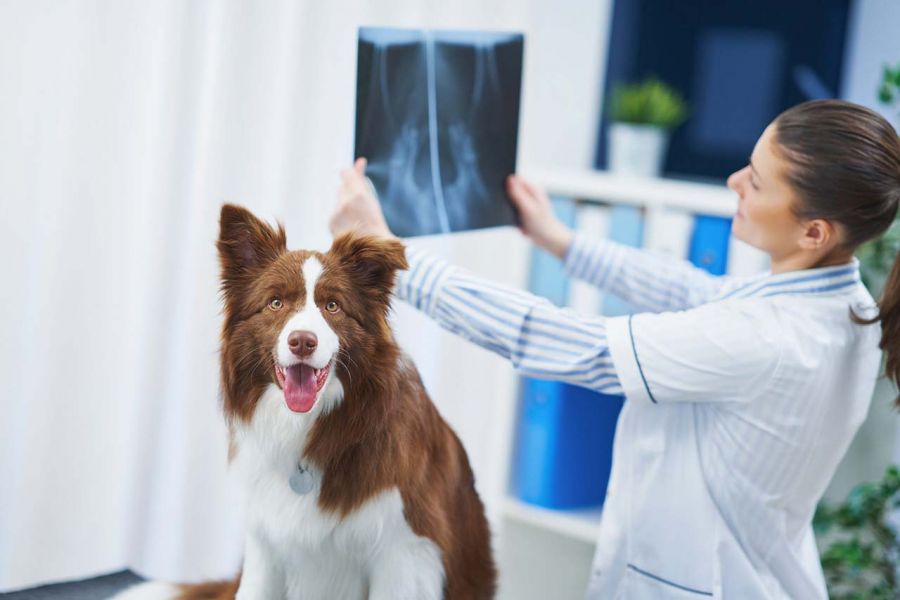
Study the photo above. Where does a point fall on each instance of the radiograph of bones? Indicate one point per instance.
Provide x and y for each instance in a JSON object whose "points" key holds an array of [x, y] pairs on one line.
{"points": [[431, 109]]}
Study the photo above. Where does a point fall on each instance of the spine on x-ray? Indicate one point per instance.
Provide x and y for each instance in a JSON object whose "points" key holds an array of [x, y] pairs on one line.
{"points": [[591, 221]]}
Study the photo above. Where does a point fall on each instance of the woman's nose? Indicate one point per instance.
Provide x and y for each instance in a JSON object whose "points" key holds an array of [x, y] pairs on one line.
{"points": [[736, 179]]}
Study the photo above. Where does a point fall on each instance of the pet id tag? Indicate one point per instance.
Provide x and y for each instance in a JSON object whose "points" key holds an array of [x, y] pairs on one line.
{"points": [[301, 481]]}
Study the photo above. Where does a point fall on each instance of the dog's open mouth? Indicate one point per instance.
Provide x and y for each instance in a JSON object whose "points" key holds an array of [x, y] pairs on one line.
{"points": [[301, 385]]}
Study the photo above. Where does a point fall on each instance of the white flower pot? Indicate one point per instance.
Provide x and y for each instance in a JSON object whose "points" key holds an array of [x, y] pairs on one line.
{"points": [[637, 150]]}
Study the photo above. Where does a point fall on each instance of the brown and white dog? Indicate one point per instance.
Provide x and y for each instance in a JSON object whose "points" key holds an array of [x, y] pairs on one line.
{"points": [[355, 486]]}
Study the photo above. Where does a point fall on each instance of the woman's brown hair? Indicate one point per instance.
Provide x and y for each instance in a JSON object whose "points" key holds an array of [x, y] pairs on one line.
{"points": [[844, 164]]}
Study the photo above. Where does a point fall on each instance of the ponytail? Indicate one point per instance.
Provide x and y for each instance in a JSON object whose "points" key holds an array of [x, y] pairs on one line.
{"points": [[889, 315]]}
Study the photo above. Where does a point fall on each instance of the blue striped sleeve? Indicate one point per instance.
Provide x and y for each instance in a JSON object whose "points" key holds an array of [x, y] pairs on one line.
{"points": [[540, 339], [647, 281]]}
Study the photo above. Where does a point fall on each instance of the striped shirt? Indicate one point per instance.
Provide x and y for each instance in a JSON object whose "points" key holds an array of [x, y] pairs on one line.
{"points": [[742, 396], [540, 339]]}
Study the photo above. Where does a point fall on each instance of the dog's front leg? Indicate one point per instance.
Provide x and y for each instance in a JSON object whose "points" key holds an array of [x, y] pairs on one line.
{"points": [[411, 571], [261, 578]]}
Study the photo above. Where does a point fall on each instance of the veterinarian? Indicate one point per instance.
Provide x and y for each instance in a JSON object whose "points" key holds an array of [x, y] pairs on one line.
{"points": [[742, 394]]}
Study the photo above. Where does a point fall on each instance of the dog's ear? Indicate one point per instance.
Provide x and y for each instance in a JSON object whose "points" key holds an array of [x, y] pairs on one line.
{"points": [[370, 262], [245, 245]]}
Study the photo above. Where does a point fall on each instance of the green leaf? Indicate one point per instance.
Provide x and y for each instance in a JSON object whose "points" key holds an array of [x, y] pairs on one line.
{"points": [[891, 75], [862, 560], [648, 103], [876, 259]]}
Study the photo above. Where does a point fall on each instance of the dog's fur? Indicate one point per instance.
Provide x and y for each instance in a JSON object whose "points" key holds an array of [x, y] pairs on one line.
{"points": [[393, 512]]}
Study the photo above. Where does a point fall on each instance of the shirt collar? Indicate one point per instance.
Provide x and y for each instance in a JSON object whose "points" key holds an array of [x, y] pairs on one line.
{"points": [[824, 280]]}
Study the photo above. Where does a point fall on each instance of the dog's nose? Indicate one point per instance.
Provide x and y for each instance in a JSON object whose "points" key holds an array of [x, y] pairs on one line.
{"points": [[302, 343]]}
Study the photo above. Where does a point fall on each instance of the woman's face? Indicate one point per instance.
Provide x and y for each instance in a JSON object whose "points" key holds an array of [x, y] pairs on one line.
{"points": [[764, 218]]}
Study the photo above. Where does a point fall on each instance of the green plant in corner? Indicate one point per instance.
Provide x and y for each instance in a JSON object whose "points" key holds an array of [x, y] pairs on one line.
{"points": [[651, 102], [862, 558]]}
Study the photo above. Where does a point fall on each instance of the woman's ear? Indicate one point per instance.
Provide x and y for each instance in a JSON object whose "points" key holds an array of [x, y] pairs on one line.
{"points": [[370, 262], [820, 234], [245, 245]]}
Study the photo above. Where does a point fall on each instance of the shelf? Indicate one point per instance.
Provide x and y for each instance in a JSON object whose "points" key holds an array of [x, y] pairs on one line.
{"points": [[583, 525], [651, 192]]}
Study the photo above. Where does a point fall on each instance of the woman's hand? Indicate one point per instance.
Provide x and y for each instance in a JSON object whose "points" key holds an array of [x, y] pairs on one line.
{"points": [[357, 207], [538, 221]]}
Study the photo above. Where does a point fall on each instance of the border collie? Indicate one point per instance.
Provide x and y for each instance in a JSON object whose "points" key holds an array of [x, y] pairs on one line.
{"points": [[355, 487]]}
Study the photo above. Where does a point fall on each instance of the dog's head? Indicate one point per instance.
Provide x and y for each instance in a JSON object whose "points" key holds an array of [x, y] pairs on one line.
{"points": [[300, 320]]}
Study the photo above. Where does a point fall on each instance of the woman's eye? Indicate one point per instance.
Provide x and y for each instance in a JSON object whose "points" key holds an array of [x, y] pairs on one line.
{"points": [[276, 303], [332, 307]]}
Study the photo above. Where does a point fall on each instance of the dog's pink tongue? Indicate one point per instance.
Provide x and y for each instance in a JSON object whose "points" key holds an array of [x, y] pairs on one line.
{"points": [[300, 388]]}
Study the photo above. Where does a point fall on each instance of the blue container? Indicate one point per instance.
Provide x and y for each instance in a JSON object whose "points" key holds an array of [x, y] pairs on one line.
{"points": [[564, 450], [709, 243]]}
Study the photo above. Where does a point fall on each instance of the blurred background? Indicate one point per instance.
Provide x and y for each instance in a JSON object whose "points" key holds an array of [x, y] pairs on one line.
{"points": [[125, 125]]}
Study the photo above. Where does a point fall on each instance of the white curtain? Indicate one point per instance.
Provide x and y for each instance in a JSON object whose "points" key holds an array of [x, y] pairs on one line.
{"points": [[123, 127]]}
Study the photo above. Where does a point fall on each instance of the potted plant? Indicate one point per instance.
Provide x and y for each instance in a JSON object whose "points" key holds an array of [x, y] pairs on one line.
{"points": [[642, 115]]}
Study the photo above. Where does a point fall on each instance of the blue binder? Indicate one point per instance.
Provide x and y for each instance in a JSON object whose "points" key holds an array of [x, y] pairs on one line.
{"points": [[565, 441], [709, 243]]}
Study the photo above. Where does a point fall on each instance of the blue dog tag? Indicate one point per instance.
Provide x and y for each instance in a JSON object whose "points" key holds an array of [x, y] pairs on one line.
{"points": [[301, 481]]}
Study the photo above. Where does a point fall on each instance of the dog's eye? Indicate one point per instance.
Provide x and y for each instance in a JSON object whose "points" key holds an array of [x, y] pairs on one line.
{"points": [[332, 307], [276, 303]]}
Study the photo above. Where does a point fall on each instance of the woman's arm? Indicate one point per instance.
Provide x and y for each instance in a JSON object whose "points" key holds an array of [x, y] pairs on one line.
{"points": [[540, 339], [647, 281]]}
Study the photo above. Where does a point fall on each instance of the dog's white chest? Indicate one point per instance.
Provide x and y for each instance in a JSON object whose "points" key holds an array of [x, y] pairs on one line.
{"points": [[310, 553]]}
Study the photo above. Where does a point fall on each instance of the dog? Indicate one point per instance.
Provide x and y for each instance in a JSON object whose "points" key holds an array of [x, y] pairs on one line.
{"points": [[355, 487]]}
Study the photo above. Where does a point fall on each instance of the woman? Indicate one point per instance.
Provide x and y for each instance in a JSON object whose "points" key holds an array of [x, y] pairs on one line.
{"points": [[742, 394]]}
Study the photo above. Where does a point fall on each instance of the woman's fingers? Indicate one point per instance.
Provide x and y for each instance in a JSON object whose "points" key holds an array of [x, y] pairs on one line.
{"points": [[353, 179], [357, 206], [533, 188], [518, 193], [526, 189], [350, 175]]}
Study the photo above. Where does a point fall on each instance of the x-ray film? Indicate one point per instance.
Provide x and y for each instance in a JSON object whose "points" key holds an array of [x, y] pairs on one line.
{"points": [[437, 117]]}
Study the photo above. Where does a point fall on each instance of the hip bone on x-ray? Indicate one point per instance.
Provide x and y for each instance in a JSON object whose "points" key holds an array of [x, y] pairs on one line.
{"points": [[437, 117]]}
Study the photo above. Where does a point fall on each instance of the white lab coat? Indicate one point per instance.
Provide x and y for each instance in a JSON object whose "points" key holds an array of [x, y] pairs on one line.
{"points": [[738, 411]]}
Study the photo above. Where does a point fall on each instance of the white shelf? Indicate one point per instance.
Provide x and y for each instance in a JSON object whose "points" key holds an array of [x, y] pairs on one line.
{"points": [[659, 196], [650, 192], [583, 525]]}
